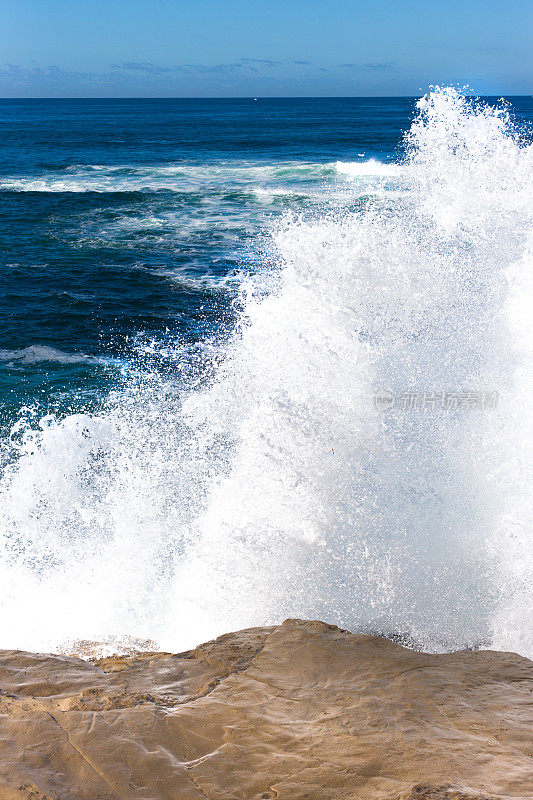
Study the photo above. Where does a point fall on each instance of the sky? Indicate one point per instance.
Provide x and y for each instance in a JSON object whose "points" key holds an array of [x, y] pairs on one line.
{"points": [[252, 48]]}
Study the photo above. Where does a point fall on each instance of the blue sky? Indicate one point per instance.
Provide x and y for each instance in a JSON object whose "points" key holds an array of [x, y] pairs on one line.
{"points": [[228, 48]]}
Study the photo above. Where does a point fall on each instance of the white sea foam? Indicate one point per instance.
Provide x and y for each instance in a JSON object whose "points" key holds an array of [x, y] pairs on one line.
{"points": [[365, 169], [35, 354], [266, 484], [188, 178], [221, 176]]}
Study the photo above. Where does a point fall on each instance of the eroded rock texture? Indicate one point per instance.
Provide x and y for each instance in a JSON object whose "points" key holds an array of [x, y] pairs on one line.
{"points": [[298, 711]]}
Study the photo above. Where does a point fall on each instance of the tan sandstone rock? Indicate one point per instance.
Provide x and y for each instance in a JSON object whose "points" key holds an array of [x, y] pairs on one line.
{"points": [[300, 711]]}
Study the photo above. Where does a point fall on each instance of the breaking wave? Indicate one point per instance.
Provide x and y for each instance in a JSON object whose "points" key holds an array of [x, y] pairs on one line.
{"points": [[264, 480]]}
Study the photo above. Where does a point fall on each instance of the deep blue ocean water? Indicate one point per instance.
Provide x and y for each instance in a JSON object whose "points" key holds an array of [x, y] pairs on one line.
{"points": [[122, 222]]}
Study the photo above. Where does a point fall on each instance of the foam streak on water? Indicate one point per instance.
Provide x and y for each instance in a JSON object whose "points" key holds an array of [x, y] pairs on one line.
{"points": [[273, 487]]}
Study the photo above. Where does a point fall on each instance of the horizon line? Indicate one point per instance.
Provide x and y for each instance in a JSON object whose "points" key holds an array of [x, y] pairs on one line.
{"points": [[251, 97]]}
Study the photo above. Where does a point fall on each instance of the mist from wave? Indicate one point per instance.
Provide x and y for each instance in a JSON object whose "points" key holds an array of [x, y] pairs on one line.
{"points": [[260, 480]]}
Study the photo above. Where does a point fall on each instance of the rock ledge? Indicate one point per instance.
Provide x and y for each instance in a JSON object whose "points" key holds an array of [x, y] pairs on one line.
{"points": [[299, 711]]}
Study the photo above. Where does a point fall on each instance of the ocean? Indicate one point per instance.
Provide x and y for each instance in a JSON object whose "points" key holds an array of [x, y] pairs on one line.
{"points": [[121, 220], [264, 358]]}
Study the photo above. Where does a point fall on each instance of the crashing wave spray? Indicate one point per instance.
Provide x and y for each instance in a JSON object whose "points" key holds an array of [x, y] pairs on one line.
{"points": [[276, 488]]}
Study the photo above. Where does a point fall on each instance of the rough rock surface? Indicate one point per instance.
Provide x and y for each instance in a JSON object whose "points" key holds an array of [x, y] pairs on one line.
{"points": [[300, 711]]}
